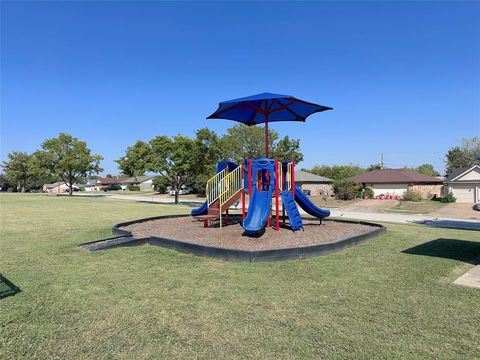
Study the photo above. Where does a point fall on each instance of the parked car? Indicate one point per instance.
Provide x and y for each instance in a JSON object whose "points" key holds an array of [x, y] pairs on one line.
{"points": [[183, 191], [112, 187]]}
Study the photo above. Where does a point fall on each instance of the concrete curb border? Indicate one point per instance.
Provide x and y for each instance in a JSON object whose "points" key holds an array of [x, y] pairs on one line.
{"points": [[125, 238]]}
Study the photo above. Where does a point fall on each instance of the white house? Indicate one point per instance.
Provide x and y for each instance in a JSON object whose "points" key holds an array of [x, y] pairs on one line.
{"points": [[464, 184], [144, 182], [397, 181]]}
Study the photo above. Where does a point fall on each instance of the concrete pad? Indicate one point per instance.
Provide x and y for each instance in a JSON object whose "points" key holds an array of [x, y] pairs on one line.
{"points": [[457, 210], [471, 278]]}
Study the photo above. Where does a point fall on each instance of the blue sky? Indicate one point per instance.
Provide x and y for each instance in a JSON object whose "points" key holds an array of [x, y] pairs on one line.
{"points": [[403, 78]]}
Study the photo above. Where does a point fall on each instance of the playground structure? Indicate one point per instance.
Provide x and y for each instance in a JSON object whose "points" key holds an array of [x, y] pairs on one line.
{"points": [[265, 180]]}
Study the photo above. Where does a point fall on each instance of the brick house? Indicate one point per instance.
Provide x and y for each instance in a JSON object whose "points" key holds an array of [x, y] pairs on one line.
{"points": [[397, 181], [315, 183]]}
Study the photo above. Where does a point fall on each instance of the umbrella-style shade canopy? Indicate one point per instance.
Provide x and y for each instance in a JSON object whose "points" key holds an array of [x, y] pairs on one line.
{"points": [[265, 108]]}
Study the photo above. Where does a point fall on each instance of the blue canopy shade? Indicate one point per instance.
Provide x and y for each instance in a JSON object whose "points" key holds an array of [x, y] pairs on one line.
{"points": [[266, 107]]}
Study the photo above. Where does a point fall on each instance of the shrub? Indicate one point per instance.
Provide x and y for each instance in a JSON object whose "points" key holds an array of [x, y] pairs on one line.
{"points": [[411, 195], [160, 184], [448, 199], [132, 187], [346, 190], [368, 193]]}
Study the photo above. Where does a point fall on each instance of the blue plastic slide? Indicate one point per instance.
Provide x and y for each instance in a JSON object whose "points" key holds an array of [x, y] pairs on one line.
{"points": [[259, 210], [203, 210], [308, 206], [292, 211]]}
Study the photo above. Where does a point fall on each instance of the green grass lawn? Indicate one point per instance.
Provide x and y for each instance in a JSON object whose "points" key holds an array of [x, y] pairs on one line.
{"points": [[371, 301], [420, 207], [331, 203]]}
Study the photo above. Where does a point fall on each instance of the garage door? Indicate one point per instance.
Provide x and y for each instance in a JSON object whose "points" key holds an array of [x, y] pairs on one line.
{"points": [[463, 193], [390, 189]]}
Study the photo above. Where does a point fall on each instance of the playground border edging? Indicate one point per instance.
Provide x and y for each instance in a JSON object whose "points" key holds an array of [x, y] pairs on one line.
{"points": [[125, 238]]}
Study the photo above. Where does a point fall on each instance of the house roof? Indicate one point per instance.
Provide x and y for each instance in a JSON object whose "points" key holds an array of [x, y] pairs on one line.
{"points": [[137, 179], [111, 180], [394, 176], [460, 171], [305, 176], [59, 183]]}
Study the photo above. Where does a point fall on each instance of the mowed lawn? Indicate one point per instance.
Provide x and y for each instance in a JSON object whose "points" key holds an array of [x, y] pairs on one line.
{"points": [[372, 301]]}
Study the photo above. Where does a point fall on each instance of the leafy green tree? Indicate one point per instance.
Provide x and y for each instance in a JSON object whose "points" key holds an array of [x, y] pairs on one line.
{"points": [[427, 169], [346, 190], [172, 159], [248, 142], [18, 169], [337, 172], [288, 149], [135, 160], [207, 153], [68, 158], [464, 155], [160, 184], [374, 167]]}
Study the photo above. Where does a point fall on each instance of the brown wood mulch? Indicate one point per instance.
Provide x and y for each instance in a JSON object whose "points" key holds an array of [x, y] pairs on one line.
{"points": [[230, 236]]}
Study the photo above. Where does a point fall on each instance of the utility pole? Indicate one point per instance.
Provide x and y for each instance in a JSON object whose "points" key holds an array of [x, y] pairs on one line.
{"points": [[381, 161]]}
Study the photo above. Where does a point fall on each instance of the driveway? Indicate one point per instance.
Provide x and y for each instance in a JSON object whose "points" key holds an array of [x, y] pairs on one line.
{"points": [[370, 206], [457, 210]]}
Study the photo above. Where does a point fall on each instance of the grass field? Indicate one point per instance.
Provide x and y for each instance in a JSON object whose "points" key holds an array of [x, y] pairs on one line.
{"points": [[331, 203], [372, 301], [421, 207]]}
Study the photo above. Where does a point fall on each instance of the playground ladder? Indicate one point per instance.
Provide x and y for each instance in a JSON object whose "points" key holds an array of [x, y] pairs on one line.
{"points": [[212, 189], [289, 176], [230, 187]]}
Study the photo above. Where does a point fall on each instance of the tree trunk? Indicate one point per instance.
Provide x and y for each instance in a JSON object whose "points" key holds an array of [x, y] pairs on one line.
{"points": [[176, 196]]}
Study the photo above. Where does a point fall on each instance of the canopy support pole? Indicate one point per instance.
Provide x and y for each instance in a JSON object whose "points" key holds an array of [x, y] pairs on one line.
{"points": [[266, 136]]}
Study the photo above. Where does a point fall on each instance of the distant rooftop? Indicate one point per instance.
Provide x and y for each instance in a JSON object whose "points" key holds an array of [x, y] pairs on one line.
{"points": [[307, 177], [394, 176]]}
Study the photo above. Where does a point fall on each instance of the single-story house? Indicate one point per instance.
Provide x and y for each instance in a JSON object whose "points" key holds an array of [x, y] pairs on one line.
{"points": [[315, 183], [144, 182], [397, 181], [114, 180], [59, 187], [464, 184], [90, 185]]}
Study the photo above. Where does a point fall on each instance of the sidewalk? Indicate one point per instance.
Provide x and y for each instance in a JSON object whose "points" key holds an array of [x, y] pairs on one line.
{"points": [[466, 224], [471, 278]]}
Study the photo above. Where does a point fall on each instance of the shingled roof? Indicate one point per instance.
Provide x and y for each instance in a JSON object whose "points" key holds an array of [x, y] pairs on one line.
{"points": [[394, 176], [306, 177]]}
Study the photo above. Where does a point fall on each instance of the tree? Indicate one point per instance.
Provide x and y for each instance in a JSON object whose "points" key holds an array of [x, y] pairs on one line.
{"points": [[135, 160], [5, 183], [464, 155], [346, 190], [248, 142], [18, 169], [172, 159], [206, 154], [288, 149], [427, 169], [337, 172], [374, 167], [68, 158]]}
